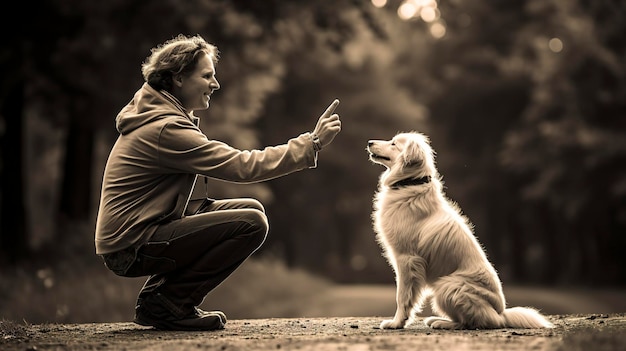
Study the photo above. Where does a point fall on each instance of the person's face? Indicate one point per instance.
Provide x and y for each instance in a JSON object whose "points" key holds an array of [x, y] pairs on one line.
{"points": [[194, 90]]}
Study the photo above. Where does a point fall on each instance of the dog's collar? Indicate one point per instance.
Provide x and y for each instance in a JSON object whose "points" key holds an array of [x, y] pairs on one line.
{"points": [[410, 181]]}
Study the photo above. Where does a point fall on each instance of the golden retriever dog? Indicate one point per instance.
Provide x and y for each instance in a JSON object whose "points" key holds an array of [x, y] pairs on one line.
{"points": [[431, 246]]}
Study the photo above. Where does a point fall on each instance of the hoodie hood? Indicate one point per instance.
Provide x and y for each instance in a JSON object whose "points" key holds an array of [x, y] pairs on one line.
{"points": [[148, 105]]}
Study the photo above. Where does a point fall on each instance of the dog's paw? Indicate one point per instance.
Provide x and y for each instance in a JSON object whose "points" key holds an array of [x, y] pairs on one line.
{"points": [[391, 324], [441, 323]]}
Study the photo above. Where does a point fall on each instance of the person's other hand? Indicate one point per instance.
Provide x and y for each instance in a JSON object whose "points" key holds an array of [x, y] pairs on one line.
{"points": [[329, 125]]}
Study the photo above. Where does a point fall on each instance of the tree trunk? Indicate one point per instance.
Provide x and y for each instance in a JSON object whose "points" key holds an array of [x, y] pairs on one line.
{"points": [[75, 194], [13, 232]]}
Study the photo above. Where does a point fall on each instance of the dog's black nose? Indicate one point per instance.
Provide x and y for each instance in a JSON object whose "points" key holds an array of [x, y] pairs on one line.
{"points": [[370, 143]]}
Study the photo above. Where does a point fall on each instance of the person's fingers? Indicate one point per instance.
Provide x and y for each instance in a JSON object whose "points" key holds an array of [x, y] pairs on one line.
{"points": [[331, 108], [334, 119], [333, 126], [325, 121]]}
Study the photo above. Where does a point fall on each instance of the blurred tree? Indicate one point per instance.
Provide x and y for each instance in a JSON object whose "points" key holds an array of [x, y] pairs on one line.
{"points": [[570, 147], [24, 61]]}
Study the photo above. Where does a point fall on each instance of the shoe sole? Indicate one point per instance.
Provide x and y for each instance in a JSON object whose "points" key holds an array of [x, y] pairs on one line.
{"points": [[164, 325]]}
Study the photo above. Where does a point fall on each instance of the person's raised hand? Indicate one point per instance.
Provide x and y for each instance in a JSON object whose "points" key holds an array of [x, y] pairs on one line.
{"points": [[329, 125]]}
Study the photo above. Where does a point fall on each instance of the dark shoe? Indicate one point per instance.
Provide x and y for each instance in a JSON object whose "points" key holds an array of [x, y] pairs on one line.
{"points": [[150, 312], [220, 314]]}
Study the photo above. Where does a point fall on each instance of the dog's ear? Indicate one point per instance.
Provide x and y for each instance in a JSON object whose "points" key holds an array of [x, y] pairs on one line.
{"points": [[412, 156]]}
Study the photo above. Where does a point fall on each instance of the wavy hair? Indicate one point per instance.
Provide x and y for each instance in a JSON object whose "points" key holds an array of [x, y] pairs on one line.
{"points": [[175, 56]]}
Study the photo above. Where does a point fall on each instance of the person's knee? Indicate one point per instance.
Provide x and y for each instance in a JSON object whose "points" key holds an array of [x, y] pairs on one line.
{"points": [[260, 226], [254, 204]]}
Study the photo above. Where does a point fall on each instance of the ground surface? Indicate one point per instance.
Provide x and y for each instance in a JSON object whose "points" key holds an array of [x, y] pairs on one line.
{"points": [[572, 332]]}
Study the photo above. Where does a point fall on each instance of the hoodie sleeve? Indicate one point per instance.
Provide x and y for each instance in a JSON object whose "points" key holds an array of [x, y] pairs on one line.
{"points": [[184, 148]]}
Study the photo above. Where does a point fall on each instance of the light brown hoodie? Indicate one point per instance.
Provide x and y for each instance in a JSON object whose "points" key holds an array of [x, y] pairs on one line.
{"points": [[152, 168]]}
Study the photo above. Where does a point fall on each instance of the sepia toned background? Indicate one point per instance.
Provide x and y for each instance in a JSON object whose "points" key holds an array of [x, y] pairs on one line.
{"points": [[524, 102]]}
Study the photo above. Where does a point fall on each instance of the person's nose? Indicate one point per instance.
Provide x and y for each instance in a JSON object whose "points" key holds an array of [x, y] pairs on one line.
{"points": [[215, 85]]}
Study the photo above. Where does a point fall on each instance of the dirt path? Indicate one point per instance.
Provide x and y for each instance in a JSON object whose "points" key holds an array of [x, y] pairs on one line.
{"points": [[572, 332]]}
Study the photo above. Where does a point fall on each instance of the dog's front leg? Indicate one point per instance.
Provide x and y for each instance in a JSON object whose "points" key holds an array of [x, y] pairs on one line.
{"points": [[410, 280]]}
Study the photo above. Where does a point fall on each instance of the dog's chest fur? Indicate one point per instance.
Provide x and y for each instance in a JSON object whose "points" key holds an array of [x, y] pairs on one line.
{"points": [[399, 213]]}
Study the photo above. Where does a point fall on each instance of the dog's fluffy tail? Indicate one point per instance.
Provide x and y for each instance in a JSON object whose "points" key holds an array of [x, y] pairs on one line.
{"points": [[525, 317]]}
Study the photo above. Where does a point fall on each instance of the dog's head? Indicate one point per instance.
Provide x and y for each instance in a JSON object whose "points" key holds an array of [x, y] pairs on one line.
{"points": [[406, 154]]}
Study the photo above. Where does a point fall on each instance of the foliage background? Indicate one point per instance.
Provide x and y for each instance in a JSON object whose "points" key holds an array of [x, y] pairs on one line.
{"points": [[524, 101]]}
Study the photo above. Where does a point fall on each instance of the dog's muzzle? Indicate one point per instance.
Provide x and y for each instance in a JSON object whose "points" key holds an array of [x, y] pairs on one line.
{"points": [[373, 155]]}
